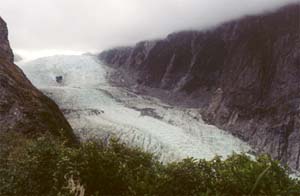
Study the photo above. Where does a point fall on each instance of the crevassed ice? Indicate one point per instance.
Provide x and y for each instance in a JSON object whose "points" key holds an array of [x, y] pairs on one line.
{"points": [[94, 108]]}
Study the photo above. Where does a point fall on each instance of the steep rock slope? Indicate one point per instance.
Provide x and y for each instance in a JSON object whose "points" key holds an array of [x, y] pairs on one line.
{"points": [[22, 107], [246, 73]]}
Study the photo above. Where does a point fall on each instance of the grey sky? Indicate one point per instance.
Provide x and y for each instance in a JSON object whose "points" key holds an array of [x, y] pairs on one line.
{"points": [[92, 25]]}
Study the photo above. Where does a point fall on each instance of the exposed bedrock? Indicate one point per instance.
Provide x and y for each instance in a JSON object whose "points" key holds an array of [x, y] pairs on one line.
{"points": [[248, 70], [23, 108]]}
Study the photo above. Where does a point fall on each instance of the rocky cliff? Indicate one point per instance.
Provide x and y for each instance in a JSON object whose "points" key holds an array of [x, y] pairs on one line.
{"points": [[246, 74], [22, 107]]}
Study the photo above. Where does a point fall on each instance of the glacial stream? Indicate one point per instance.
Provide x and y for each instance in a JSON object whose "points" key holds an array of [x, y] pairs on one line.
{"points": [[95, 108]]}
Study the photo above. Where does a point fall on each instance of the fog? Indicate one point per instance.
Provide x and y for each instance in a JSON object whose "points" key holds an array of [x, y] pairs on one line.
{"points": [[93, 25]]}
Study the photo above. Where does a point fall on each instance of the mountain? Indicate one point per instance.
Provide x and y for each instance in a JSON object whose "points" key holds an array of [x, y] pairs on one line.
{"points": [[243, 74], [22, 107]]}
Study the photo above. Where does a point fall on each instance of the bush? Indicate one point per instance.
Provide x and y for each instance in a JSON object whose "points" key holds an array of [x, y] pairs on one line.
{"points": [[48, 167]]}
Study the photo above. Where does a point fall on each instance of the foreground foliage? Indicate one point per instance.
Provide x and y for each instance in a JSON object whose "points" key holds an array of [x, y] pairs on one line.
{"points": [[48, 167]]}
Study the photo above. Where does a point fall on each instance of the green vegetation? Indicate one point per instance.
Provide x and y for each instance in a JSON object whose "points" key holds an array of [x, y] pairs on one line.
{"points": [[46, 166]]}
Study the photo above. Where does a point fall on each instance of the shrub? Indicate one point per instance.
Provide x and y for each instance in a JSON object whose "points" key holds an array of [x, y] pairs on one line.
{"points": [[47, 166]]}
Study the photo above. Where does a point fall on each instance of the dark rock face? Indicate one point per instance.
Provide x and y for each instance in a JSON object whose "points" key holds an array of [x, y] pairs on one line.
{"points": [[22, 107], [5, 50], [249, 68]]}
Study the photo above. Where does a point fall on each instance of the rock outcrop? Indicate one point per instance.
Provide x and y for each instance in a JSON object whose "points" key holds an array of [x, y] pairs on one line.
{"points": [[5, 50], [23, 108], [246, 73]]}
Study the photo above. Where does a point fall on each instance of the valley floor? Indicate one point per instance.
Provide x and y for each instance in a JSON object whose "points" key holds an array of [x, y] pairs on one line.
{"points": [[95, 108]]}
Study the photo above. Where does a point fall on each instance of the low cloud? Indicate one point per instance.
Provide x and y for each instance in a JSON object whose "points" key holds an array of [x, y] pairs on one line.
{"points": [[93, 25]]}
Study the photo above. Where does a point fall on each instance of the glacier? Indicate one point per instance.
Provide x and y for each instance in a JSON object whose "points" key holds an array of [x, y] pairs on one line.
{"points": [[96, 108]]}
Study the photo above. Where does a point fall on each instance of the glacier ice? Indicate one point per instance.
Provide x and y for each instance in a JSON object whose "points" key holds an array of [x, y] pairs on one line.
{"points": [[95, 108]]}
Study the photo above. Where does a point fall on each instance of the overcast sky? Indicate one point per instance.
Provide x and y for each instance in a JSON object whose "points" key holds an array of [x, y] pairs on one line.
{"points": [[93, 25]]}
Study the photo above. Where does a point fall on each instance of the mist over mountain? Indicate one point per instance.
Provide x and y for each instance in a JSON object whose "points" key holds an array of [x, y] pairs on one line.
{"points": [[207, 104], [94, 25], [244, 75]]}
